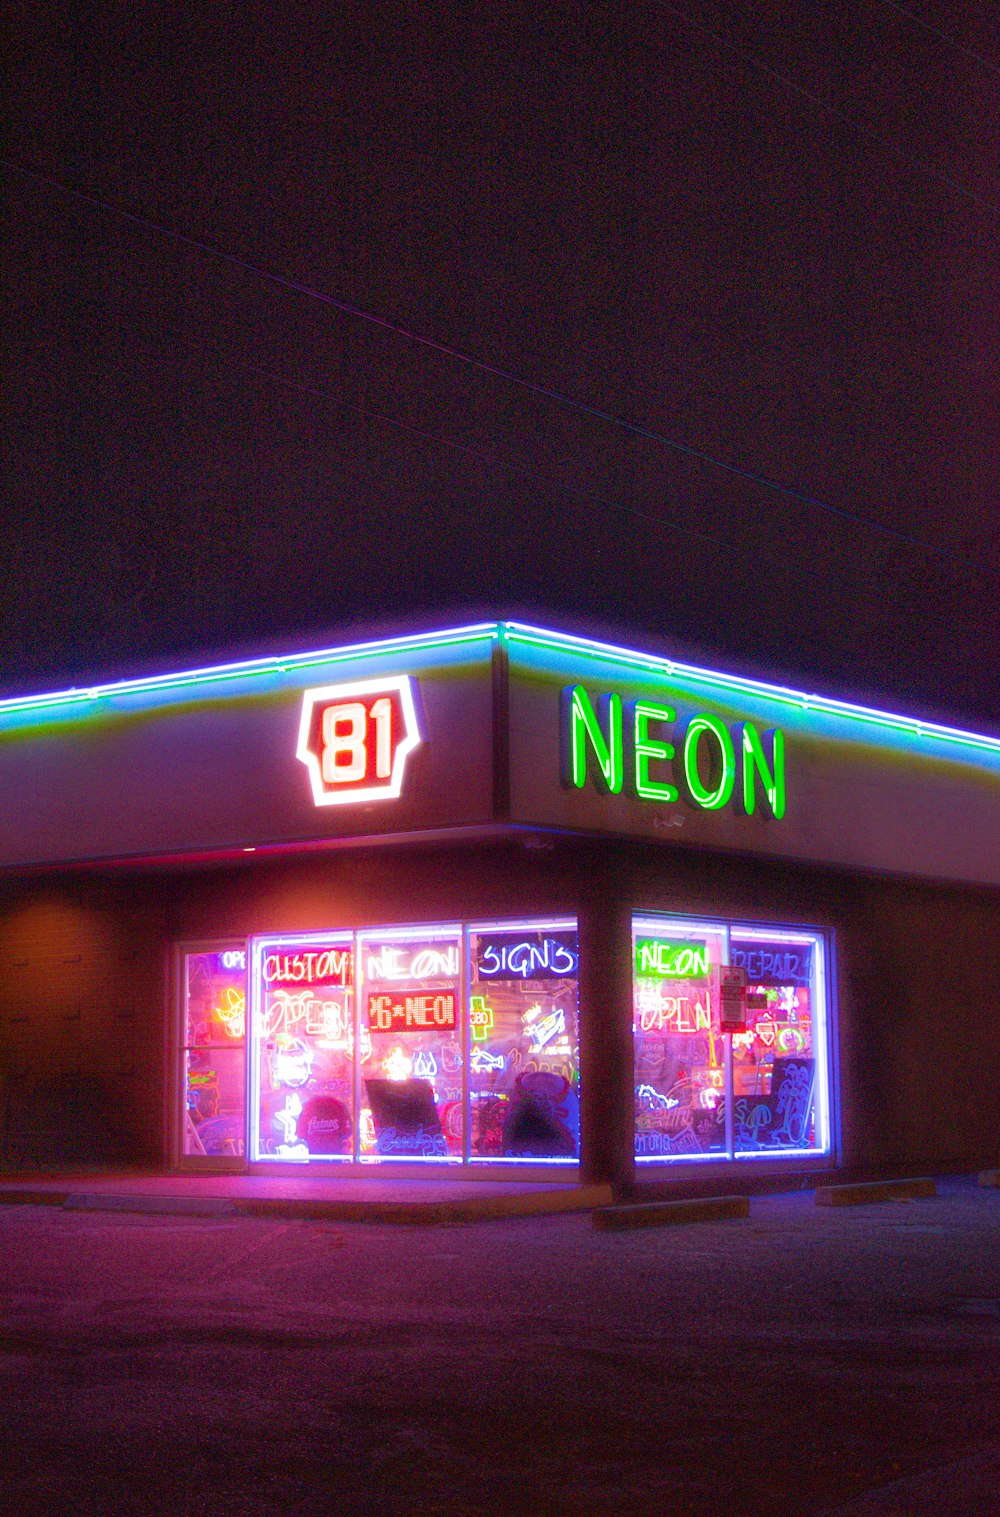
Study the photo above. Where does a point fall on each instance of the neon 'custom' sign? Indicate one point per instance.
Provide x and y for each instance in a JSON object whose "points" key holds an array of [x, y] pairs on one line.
{"points": [[355, 738]]}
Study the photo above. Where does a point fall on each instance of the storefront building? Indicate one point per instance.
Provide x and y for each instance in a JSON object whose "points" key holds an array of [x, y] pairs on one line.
{"points": [[495, 901]]}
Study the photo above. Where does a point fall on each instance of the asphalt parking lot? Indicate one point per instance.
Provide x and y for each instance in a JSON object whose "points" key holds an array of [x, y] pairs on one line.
{"points": [[804, 1360]]}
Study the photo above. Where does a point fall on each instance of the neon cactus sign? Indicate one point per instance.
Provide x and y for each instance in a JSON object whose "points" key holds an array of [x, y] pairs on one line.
{"points": [[355, 738], [624, 747]]}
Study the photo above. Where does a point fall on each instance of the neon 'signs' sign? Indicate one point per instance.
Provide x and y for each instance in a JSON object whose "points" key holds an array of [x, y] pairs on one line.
{"points": [[541, 957], [636, 747], [354, 739]]}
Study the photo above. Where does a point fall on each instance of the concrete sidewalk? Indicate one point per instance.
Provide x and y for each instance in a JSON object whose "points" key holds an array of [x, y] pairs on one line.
{"points": [[379, 1199]]}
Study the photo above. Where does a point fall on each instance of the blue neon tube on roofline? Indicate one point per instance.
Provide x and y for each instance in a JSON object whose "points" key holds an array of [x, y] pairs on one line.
{"points": [[539, 637], [247, 669], [507, 633]]}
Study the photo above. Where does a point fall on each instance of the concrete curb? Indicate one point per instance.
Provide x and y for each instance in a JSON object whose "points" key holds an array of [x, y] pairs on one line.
{"points": [[406, 1213], [872, 1192], [174, 1206], [432, 1213], [670, 1213], [27, 1197]]}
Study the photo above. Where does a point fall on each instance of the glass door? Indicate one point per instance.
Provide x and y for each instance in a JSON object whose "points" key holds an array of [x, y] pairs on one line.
{"points": [[302, 1011], [411, 1071]]}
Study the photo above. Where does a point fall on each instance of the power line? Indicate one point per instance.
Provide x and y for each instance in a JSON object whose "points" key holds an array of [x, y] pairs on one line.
{"points": [[509, 376], [736, 547], [614, 508], [935, 31], [827, 106], [831, 110]]}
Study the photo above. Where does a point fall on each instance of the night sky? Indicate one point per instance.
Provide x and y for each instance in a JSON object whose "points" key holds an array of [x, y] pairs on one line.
{"points": [[675, 323]]}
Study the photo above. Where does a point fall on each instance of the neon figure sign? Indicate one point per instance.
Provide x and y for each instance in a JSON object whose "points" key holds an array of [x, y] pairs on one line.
{"points": [[328, 1020], [232, 1013], [551, 1026], [355, 738]]}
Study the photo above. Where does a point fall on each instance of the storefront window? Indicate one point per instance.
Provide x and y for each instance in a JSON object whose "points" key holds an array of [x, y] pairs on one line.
{"points": [[440, 1043], [523, 1043], [304, 1046], [777, 1059], [759, 1087], [411, 1065], [213, 1053]]}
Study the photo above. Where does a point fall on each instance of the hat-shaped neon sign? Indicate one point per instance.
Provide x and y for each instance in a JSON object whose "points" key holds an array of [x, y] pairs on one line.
{"points": [[354, 739]]}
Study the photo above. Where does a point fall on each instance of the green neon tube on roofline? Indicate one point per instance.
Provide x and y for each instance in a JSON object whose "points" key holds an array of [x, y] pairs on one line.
{"points": [[510, 632], [247, 669], [913, 727]]}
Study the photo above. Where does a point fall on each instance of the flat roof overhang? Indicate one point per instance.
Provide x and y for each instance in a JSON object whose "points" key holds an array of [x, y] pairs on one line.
{"points": [[220, 763]]}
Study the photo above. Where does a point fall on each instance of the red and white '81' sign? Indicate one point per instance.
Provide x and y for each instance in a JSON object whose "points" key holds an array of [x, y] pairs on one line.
{"points": [[354, 739]]}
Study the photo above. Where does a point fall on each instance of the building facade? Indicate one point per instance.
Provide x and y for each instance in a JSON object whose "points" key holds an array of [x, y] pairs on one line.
{"points": [[495, 901]]}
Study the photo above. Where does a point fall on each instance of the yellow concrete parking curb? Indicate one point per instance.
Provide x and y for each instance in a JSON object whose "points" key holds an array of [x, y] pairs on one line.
{"points": [[670, 1213], [871, 1192]]}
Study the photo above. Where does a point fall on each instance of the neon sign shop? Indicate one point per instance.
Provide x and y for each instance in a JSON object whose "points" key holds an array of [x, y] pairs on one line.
{"points": [[499, 899]]}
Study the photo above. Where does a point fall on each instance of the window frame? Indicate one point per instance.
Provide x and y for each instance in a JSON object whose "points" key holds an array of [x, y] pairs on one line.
{"points": [[825, 1095], [181, 1159]]}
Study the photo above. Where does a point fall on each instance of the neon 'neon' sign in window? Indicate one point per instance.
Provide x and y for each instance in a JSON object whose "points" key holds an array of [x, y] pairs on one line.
{"points": [[355, 738]]}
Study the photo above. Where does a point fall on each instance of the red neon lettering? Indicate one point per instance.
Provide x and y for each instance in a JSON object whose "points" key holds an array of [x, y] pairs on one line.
{"points": [[382, 717], [411, 1013], [417, 1011], [329, 966], [654, 1014]]}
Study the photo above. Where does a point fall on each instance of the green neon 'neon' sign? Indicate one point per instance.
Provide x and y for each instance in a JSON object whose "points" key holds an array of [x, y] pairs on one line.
{"points": [[772, 776], [646, 749], [711, 766], [662, 959], [587, 725]]}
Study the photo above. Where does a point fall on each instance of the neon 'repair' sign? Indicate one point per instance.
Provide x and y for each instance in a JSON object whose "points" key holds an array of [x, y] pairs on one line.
{"points": [[639, 748]]}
